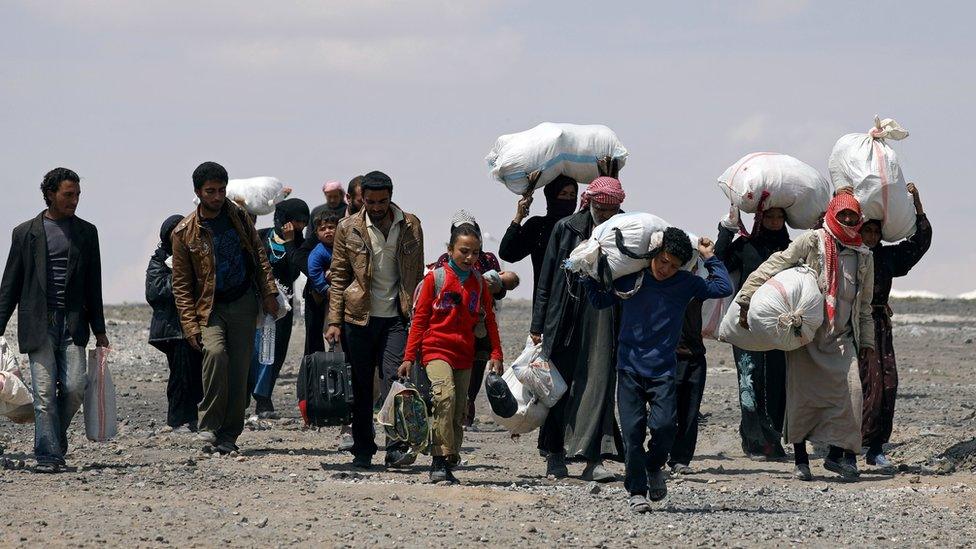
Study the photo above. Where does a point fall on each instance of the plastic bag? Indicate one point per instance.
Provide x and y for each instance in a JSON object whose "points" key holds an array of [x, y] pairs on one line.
{"points": [[101, 414], [713, 310], [258, 195], [16, 398], [531, 412], [538, 374], [773, 180], [636, 232], [866, 162], [555, 149], [784, 314]]}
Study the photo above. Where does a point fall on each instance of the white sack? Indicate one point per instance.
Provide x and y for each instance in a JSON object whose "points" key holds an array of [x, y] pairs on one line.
{"points": [[791, 184], [101, 414], [16, 399], [866, 162], [258, 194], [638, 231], [531, 413], [555, 149], [784, 314], [538, 374], [713, 310]]}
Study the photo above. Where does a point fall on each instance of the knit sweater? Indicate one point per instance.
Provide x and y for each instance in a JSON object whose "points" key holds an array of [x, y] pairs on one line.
{"points": [[442, 327]]}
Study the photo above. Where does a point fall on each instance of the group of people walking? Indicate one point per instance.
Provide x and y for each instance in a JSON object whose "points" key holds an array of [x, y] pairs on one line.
{"points": [[631, 352]]}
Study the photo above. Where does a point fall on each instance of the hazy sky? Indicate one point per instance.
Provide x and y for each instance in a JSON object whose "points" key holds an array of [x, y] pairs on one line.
{"points": [[133, 95]]}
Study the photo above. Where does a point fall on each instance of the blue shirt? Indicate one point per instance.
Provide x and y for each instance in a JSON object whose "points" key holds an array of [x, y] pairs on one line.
{"points": [[651, 320], [319, 262], [229, 262]]}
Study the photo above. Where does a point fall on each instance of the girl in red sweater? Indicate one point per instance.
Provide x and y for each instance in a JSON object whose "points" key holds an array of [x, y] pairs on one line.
{"points": [[442, 339]]}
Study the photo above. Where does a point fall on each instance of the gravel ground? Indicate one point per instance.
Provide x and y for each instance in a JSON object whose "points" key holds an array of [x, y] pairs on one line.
{"points": [[291, 486]]}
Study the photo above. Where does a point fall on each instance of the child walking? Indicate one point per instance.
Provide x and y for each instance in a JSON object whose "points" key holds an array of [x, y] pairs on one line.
{"points": [[650, 328], [442, 339]]}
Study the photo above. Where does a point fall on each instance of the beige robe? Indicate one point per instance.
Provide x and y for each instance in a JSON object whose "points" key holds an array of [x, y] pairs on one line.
{"points": [[823, 388]]}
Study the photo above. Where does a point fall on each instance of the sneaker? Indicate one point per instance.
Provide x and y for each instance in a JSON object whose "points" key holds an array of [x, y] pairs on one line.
{"points": [[842, 468], [226, 447], [207, 437], [681, 469], [596, 472], [362, 461], [657, 487], [881, 461], [556, 465], [346, 442], [48, 468], [440, 471], [801, 471], [400, 458], [639, 504]]}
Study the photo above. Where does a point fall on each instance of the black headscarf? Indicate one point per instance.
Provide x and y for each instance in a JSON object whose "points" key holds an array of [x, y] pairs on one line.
{"points": [[554, 206], [287, 211], [774, 240], [166, 231]]}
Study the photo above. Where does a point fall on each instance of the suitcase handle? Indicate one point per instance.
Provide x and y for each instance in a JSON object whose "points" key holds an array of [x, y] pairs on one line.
{"points": [[331, 380]]}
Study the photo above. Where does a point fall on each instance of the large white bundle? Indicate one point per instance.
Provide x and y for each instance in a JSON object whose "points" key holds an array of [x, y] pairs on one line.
{"points": [[531, 412], [259, 195], [639, 232], [16, 400], [784, 314], [866, 162], [778, 181], [555, 149], [538, 374]]}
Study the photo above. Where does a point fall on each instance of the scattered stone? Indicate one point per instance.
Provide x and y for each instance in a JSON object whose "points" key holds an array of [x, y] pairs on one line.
{"points": [[915, 479], [262, 523], [593, 488]]}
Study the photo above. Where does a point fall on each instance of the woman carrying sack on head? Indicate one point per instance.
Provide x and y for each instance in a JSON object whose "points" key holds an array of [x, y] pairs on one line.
{"points": [[823, 389], [442, 338]]}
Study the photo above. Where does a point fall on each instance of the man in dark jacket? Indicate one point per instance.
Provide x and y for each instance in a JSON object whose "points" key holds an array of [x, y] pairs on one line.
{"points": [[581, 341], [54, 280], [184, 388]]}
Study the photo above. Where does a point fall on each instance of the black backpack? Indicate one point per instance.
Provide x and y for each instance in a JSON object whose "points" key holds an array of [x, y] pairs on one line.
{"points": [[325, 389]]}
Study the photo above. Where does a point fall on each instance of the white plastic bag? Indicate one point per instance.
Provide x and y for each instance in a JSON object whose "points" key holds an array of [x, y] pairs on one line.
{"points": [[640, 232], [713, 310], [784, 314], [531, 412], [386, 414], [259, 195], [101, 414], [778, 181], [538, 374], [555, 149], [16, 399], [866, 162]]}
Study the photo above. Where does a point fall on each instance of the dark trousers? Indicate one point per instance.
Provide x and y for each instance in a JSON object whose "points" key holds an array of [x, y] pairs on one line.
{"points": [[380, 343], [184, 390], [645, 403], [482, 352], [314, 324], [689, 378], [762, 400]]}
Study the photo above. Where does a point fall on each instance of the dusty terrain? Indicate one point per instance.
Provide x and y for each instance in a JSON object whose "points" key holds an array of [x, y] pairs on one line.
{"points": [[292, 487]]}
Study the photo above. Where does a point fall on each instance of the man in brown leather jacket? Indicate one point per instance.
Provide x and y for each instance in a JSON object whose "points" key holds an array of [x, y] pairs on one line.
{"points": [[219, 267], [377, 262]]}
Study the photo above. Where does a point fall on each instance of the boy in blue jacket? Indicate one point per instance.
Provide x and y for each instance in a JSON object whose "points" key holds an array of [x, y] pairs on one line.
{"points": [[650, 328]]}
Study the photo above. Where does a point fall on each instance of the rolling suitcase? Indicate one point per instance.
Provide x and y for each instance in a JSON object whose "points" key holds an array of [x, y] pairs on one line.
{"points": [[325, 389]]}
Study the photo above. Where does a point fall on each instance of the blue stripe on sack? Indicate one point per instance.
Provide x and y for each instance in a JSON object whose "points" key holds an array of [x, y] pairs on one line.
{"points": [[577, 158]]}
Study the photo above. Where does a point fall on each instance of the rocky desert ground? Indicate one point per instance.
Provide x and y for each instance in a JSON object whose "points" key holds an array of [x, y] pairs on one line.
{"points": [[290, 486]]}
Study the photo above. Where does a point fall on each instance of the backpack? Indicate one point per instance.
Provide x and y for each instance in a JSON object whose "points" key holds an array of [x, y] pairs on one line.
{"points": [[324, 389], [440, 278], [404, 416]]}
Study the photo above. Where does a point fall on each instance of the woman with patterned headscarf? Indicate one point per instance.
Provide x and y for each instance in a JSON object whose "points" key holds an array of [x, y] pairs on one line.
{"points": [[823, 388]]}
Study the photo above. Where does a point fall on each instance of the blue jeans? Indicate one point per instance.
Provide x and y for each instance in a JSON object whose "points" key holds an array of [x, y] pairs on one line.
{"points": [[645, 403], [58, 376]]}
